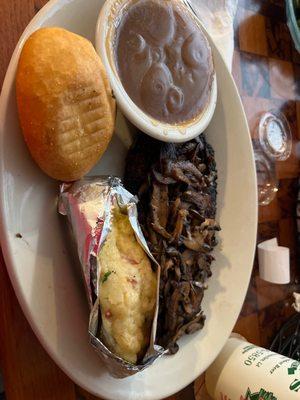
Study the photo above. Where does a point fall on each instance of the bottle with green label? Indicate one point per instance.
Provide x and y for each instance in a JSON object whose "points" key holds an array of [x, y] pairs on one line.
{"points": [[244, 371]]}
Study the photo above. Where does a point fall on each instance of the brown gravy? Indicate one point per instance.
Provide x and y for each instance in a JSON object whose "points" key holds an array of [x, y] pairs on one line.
{"points": [[163, 60]]}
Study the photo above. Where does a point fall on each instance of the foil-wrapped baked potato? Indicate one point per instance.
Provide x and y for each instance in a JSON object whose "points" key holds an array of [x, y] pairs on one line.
{"points": [[127, 291]]}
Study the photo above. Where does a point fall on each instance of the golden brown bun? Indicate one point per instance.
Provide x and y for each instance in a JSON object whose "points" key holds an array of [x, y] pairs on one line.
{"points": [[65, 103]]}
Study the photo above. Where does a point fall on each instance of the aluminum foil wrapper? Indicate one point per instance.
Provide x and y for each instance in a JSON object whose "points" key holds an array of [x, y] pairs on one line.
{"points": [[88, 205]]}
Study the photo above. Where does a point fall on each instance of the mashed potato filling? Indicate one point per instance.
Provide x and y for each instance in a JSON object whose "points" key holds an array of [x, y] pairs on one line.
{"points": [[127, 291]]}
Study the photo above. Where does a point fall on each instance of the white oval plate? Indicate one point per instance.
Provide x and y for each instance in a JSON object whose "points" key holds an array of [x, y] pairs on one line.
{"points": [[44, 272]]}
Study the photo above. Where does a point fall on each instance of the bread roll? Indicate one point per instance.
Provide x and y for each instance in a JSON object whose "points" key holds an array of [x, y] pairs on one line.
{"points": [[127, 291], [65, 103]]}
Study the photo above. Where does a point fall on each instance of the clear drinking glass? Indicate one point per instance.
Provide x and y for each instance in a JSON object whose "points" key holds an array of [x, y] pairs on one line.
{"points": [[267, 183], [274, 144], [275, 135]]}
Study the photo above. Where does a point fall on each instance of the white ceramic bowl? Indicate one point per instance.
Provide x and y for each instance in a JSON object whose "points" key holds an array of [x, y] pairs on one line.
{"points": [[43, 269], [157, 129]]}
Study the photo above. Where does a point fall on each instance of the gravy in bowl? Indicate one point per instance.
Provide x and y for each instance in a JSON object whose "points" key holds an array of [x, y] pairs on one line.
{"points": [[163, 60]]}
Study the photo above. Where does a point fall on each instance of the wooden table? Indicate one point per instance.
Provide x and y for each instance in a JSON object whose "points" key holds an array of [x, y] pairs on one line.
{"points": [[266, 68]]}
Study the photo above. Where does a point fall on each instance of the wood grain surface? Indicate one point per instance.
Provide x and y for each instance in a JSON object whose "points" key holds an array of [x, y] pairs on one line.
{"points": [[266, 68]]}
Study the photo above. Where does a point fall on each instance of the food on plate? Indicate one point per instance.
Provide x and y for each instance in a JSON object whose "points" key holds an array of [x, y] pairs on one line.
{"points": [[65, 103], [127, 291], [177, 188], [120, 274], [163, 59]]}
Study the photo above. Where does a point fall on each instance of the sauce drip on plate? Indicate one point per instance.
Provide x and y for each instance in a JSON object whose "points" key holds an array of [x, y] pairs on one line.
{"points": [[163, 60]]}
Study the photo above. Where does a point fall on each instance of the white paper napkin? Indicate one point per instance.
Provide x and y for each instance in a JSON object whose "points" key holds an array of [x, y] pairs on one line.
{"points": [[274, 262], [296, 304], [217, 17]]}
